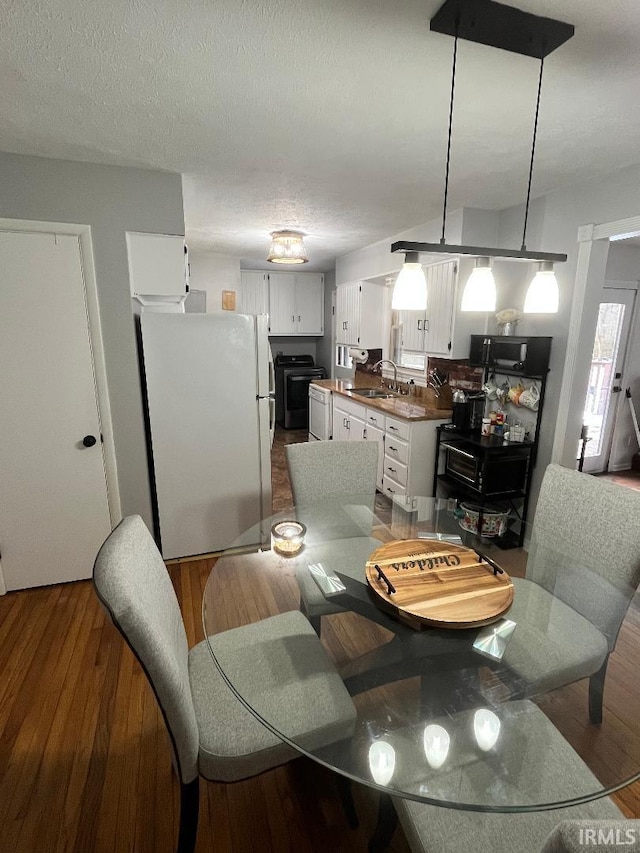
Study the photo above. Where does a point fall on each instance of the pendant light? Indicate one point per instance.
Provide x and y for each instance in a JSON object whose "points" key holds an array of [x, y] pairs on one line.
{"points": [[480, 290], [287, 247], [410, 289], [496, 25], [543, 295]]}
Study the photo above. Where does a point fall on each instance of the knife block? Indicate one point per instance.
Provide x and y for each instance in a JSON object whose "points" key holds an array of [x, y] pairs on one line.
{"points": [[444, 401]]}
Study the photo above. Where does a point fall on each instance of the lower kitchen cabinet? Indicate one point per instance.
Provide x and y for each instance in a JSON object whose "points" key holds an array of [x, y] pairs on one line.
{"points": [[407, 468], [407, 448]]}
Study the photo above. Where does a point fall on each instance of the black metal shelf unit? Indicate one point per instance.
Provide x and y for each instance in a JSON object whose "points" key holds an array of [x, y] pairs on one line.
{"points": [[490, 470]]}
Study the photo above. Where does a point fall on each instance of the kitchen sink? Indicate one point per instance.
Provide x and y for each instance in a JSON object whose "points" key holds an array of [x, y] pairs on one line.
{"points": [[373, 392]]}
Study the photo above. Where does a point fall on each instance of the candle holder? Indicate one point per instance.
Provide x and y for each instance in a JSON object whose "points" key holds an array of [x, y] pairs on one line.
{"points": [[287, 537]]}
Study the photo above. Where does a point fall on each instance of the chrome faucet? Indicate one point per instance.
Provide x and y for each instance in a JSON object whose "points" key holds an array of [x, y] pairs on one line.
{"points": [[393, 387]]}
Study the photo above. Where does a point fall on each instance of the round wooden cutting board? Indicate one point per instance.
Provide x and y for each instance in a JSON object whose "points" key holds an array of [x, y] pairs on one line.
{"points": [[438, 584]]}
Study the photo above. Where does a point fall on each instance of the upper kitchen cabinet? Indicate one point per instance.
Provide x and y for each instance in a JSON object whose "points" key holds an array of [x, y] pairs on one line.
{"points": [[442, 330], [157, 264], [254, 292], [360, 309], [296, 304]]}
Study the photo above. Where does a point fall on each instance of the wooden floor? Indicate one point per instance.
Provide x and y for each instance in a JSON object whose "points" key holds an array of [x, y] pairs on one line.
{"points": [[84, 757]]}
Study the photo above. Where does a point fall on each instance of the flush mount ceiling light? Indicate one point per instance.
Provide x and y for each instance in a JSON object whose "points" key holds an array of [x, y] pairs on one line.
{"points": [[495, 25], [287, 247]]}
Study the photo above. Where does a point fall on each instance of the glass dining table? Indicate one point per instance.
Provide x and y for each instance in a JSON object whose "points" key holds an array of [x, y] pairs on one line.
{"points": [[490, 714]]}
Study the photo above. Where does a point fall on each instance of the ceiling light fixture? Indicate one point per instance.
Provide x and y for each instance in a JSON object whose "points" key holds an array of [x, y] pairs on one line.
{"points": [[543, 296], [495, 25], [287, 247]]}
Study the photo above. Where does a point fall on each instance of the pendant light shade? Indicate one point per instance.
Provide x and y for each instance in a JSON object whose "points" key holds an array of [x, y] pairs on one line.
{"points": [[480, 290], [287, 247], [496, 25], [410, 290], [543, 295]]}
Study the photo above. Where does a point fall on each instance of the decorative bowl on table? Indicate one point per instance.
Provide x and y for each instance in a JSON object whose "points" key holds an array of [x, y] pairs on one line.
{"points": [[494, 521]]}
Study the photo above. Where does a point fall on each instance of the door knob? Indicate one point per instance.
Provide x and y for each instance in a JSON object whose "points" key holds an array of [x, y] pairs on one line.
{"points": [[89, 440]]}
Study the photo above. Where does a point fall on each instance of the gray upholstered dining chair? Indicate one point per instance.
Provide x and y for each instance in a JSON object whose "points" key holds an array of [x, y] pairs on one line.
{"points": [[433, 829], [582, 572], [212, 734], [320, 473]]}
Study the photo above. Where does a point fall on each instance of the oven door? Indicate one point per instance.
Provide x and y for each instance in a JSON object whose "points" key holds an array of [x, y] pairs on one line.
{"points": [[462, 465]]}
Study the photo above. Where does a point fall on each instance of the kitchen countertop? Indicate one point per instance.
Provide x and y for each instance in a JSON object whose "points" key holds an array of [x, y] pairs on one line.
{"points": [[406, 408]]}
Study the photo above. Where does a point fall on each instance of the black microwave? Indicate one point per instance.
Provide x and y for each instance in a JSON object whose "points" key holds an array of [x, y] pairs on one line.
{"points": [[529, 355]]}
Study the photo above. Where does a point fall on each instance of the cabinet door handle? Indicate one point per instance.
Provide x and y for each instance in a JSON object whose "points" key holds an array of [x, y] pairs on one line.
{"points": [[293, 318], [346, 324], [389, 489], [364, 433], [348, 424], [393, 470], [373, 420], [391, 447], [419, 328], [344, 423], [392, 427], [425, 325], [299, 318]]}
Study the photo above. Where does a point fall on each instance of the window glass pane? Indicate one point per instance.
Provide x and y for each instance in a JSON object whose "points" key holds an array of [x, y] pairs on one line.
{"points": [[602, 373]]}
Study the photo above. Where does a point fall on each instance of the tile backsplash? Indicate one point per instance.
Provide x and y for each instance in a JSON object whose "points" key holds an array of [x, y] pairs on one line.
{"points": [[460, 373]]}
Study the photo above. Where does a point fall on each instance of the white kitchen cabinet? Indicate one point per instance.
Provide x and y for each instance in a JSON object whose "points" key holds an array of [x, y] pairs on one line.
{"points": [[376, 433], [407, 448], [254, 292], [442, 330], [360, 314], [296, 304], [430, 331], [157, 264], [348, 420], [410, 448]]}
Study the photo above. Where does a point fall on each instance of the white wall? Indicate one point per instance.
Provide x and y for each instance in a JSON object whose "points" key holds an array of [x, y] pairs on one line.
{"points": [[213, 273], [557, 218], [112, 200], [376, 259]]}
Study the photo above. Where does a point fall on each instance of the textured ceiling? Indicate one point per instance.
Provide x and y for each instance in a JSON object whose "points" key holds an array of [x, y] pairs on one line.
{"points": [[324, 115]]}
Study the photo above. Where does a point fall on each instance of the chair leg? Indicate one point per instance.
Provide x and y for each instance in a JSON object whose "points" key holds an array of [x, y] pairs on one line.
{"points": [[596, 693], [314, 621], [346, 798], [386, 826], [189, 807]]}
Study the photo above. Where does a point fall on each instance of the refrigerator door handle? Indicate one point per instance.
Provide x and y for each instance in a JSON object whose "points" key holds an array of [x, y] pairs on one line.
{"points": [[272, 378], [272, 418]]}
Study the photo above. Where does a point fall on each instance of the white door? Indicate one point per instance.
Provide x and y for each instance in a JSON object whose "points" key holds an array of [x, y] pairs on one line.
{"points": [[373, 433], [340, 424], [605, 377], [282, 319], [441, 288], [309, 303], [254, 293], [412, 330], [54, 513]]}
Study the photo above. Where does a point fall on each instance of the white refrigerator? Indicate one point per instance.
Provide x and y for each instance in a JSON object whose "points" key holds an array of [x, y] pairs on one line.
{"points": [[209, 389]]}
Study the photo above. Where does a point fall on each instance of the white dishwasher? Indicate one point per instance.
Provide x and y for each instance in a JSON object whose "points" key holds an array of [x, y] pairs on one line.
{"points": [[320, 414]]}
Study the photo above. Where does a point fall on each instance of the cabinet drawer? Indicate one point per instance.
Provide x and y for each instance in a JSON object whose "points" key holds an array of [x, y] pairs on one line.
{"points": [[398, 429], [395, 469], [375, 418], [351, 407], [392, 487], [396, 449]]}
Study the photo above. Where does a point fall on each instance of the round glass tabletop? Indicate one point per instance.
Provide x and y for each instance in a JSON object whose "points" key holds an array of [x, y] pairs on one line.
{"points": [[535, 706]]}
